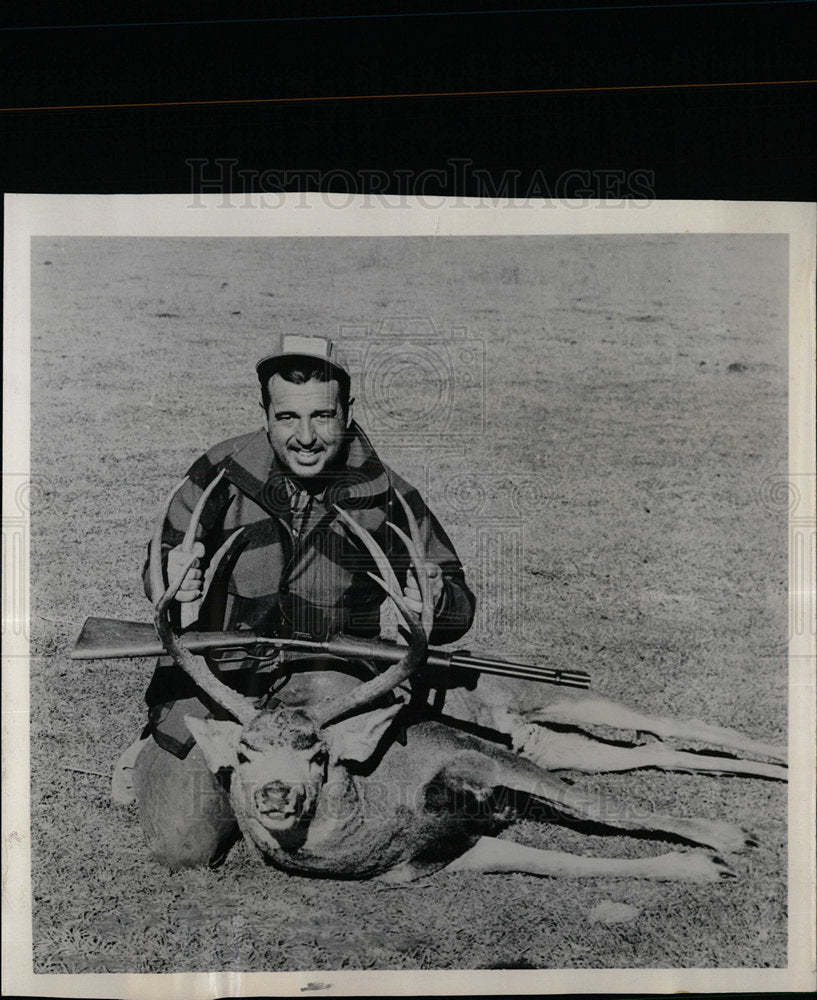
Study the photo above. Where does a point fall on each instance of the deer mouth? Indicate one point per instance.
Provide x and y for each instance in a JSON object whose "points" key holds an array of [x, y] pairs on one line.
{"points": [[278, 801]]}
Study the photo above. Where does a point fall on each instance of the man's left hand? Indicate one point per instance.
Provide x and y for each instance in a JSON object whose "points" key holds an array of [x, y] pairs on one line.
{"points": [[411, 593]]}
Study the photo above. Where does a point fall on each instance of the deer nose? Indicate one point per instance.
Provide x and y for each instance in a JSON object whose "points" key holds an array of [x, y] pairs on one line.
{"points": [[276, 796]]}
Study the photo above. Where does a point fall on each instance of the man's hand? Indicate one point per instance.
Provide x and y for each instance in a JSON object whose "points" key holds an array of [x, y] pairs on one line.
{"points": [[411, 593], [177, 558]]}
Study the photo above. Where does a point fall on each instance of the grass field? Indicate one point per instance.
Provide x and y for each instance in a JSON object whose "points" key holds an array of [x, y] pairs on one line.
{"points": [[611, 493]]}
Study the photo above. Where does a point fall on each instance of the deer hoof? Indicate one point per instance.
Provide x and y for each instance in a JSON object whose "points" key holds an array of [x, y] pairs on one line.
{"points": [[724, 871], [691, 867], [712, 869], [725, 838]]}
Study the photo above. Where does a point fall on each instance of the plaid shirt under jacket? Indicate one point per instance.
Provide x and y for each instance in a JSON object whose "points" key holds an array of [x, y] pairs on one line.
{"points": [[313, 582]]}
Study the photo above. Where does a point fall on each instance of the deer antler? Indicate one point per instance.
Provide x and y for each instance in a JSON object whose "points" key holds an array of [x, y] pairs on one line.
{"points": [[243, 709], [415, 548], [419, 627]]}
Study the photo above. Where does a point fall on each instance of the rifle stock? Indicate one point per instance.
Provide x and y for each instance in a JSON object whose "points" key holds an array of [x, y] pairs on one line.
{"points": [[112, 638]]}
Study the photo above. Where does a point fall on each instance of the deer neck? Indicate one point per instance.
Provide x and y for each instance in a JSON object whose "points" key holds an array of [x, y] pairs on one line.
{"points": [[339, 814]]}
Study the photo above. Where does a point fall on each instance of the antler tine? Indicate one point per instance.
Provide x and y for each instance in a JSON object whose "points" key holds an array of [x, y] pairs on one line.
{"points": [[415, 652], [157, 580], [414, 528], [192, 527], [416, 550], [379, 556], [387, 579], [157, 585], [215, 562], [195, 667], [427, 612]]}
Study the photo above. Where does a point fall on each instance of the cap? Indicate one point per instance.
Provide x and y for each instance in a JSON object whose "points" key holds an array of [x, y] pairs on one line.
{"points": [[312, 348]]}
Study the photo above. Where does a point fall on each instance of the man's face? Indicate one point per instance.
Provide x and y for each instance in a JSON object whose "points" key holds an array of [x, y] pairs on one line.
{"points": [[306, 425]]}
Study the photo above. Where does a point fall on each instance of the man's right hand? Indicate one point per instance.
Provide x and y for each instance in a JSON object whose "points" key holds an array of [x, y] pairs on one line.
{"points": [[177, 559]]}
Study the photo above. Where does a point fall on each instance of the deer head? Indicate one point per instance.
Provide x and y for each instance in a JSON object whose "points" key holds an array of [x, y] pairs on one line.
{"points": [[276, 767], [275, 756]]}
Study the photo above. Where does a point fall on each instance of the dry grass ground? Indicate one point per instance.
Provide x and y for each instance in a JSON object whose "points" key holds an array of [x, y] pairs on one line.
{"points": [[636, 395]]}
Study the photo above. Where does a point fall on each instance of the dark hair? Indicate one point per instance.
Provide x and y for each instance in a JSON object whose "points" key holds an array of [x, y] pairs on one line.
{"points": [[300, 371]]}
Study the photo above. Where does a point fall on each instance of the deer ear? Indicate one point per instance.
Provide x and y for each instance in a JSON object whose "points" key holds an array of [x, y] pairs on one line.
{"points": [[357, 738], [217, 740]]}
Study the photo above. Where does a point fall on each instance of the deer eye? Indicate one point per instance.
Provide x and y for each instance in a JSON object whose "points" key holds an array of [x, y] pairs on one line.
{"points": [[243, 758]]}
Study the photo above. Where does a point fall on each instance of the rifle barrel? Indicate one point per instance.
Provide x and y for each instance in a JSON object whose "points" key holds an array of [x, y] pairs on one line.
{"points": [[437, 658], [522, 671], [111, 638]]}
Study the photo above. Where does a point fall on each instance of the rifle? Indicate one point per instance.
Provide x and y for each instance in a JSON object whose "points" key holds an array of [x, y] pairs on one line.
{"points": [[111, 638]]}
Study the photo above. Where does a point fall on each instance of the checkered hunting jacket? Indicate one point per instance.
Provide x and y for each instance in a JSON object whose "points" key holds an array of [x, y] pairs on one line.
{"points": [[314, 581]]}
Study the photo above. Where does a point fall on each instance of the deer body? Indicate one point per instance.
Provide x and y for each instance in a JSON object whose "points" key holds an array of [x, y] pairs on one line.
{"points": [[427, 803], [312, 804]]}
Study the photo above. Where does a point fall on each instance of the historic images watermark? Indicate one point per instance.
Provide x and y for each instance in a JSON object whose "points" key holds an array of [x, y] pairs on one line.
{"points": [[244, 187], [419, 385]]}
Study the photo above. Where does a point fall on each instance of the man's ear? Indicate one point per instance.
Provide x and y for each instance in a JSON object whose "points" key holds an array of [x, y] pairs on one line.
{"points": [[349, 406], [217, 740]]}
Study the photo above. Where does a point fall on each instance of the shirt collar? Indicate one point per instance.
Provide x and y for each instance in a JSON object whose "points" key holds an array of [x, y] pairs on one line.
{"points": [[255, 470]]}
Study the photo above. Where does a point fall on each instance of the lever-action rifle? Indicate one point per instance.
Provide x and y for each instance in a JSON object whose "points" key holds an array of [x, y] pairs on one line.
{"points": [[110, 638]]}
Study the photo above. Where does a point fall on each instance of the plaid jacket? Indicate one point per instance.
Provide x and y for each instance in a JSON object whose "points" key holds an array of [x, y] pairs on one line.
{"points": [[315, 583]]}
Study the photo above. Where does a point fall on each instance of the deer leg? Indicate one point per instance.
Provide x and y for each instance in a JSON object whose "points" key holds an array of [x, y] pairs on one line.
{"points": [[490, 854], [723, 837], [603, 712], [504, 770], [554, 751]]}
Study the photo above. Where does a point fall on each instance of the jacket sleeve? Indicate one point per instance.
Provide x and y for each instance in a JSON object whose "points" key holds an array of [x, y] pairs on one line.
{"points": [[454, 613]]}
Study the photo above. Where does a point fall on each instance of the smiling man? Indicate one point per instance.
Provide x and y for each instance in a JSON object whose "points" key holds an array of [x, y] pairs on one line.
{"points": [[295, 570], [305, 423]]}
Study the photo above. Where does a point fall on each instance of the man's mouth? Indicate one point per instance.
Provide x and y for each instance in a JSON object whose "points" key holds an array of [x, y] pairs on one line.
{"points": [[305, 457]]}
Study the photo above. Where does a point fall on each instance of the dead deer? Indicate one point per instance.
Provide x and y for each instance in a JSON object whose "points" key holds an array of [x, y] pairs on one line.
{"points": [[302, 795]]}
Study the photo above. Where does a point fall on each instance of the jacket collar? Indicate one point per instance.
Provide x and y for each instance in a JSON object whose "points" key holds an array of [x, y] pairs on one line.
{"points": [[361, 481]]}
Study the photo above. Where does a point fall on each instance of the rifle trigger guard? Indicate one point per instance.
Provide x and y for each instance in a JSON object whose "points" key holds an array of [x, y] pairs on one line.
{"points": [[239, 654]]}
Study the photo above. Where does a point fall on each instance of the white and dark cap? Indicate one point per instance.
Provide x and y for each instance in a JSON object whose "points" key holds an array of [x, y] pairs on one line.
{"points": [[312, 349]]}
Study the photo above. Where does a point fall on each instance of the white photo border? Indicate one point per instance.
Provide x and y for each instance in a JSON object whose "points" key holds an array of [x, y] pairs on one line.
{"points": [[324, 214]]}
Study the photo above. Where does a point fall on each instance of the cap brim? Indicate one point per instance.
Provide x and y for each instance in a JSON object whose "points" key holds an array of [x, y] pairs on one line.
{"points": [[271, 360]]}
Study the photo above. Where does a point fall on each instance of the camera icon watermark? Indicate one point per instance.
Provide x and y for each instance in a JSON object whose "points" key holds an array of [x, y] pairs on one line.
{"points": [[416, 385], [793, 496], [498, 508], [17, 489]]}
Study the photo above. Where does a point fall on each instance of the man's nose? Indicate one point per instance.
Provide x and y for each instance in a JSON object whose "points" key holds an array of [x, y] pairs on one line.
{"points": [[305, 434]]}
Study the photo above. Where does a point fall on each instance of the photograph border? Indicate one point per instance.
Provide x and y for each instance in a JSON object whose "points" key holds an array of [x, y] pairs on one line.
{"points": [[326, 214]]}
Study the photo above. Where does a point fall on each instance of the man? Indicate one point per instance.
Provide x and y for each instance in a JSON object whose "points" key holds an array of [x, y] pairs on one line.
{"points": [[295, 570]]}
